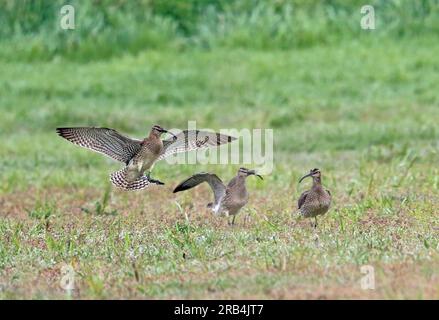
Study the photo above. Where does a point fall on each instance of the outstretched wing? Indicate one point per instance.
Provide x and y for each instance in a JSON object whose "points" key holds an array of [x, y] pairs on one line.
{"points": [[189, 140], [302, 199], [103, 140], [214, 182]]}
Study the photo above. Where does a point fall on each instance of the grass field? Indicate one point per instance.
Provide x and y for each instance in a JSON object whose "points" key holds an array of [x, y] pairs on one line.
{"points": [[363, 106], [365, 113]]}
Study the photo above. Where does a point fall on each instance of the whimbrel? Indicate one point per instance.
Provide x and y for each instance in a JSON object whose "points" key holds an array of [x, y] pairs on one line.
{"points": [[139, 156], [315, 201], [228, 199]]}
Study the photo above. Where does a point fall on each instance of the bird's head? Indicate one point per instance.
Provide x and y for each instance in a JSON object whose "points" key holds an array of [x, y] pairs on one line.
{"points": [[243, 172], [157, 131], [314, 173]]}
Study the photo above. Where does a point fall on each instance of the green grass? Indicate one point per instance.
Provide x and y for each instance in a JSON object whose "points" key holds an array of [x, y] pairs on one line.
{"points": [[364, 112], [30, 29]]}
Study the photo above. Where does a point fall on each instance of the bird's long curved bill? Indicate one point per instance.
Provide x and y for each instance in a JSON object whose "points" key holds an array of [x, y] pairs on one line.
{"points": [[173, 135], [255, 174], [305, 176]]}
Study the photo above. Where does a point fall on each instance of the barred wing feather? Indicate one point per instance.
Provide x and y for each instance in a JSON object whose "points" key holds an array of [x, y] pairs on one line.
{"points": [[103, 140], [215, 183], [189, 140]]}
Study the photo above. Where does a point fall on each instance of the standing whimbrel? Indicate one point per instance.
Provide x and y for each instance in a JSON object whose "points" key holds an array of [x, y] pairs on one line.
{"points": [[227, 199], [139, 156], [315, 201]]}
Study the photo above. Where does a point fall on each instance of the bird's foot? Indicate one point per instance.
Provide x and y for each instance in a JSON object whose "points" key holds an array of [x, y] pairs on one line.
{"points": [[231, 223], [158, 182], [148, 176]]}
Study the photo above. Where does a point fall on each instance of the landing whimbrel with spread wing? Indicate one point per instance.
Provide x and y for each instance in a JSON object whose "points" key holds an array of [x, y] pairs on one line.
{"points": [[315, 201], [228, 199], [139, 156]]}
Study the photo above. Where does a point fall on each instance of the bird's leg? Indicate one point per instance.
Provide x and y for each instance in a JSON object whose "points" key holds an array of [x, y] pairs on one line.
{"points": [[148, 175], [316, 234], [226, 213], [233, 220]]}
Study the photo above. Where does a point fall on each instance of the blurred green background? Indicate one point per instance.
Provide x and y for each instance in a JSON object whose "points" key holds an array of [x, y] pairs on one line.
{"points": [[30, 28]]}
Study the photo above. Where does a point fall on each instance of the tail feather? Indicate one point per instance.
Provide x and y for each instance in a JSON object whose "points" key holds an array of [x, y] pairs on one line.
{"points": [[119, 179]]}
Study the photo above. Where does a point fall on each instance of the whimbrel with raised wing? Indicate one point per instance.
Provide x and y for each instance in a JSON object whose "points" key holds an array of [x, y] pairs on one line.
{"points": [[228, 199], [139, 156]]}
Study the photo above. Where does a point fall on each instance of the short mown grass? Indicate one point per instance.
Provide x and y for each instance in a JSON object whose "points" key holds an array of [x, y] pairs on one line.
{"points": [[365, 113]]}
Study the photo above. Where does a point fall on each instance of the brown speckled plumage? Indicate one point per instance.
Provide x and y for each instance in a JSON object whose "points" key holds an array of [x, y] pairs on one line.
{"points": [[139, 156], [315, 201]]}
